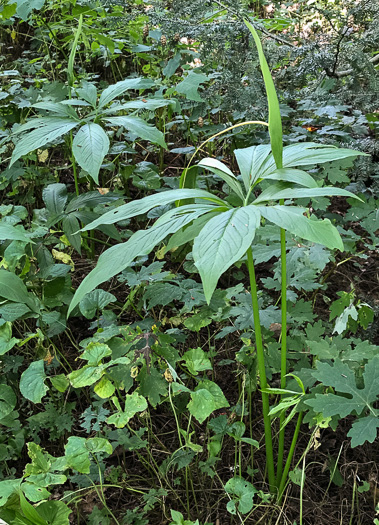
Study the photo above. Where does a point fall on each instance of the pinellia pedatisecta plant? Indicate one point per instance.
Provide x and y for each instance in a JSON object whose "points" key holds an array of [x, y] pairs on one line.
{"points": [[223, 234]]}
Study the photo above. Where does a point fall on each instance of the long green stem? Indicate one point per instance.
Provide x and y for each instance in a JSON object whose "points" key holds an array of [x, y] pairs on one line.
{"points": [[283, 354], [289, 457], [262, 371]]}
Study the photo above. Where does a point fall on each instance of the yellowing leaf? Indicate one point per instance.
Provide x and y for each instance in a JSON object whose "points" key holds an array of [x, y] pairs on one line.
{"points": [[42, 155], [63, 257]]}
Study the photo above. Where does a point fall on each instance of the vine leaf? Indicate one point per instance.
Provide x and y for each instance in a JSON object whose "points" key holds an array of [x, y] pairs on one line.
{"points": [[349, 398], [32, 382]]}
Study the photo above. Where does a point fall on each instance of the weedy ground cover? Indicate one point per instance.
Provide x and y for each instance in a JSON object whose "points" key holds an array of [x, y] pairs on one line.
{"points": [[227, 368]]}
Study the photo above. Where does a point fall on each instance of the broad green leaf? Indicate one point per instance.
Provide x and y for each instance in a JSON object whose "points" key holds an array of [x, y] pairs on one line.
{"points": [[207, 398], [95, 302], [115, 90], [48, 130], [153, 386], [32, 382], [222, 242], [10, 232], [250, 161], [57, 108], [139, 127], [78, 449], [60, 382], [90, 145], [54, 512], [242, 492], [277, 191], [30, 512], [274, 118], [7, 488], [220, 169], [292, 219], [190, 85], [309, 153], [140, 206], [13, 289], [7, 342], [360, 401], [134, 403], [71, 227], [55, 197], [95, 353], [86, 376], [104, 388], [8, 401], [196, 360], [25, 7], [90, 199], [291, 175], [119, 257]]}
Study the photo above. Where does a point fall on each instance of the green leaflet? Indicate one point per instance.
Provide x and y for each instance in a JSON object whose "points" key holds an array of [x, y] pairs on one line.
{"points": [[90, 145], [222, 242], [115, 90], [119, 257], [47, 130], [292, 219], [360, 401], [220, 169], [278, 191], [139, 127], [140, 206]]}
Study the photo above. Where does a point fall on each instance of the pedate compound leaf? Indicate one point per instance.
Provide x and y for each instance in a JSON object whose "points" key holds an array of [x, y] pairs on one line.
{"points": [[354, 400], [119, 257], [90, 146], [292, 219], [222, 242], [139, 127], [32, 382], [140, 206]]}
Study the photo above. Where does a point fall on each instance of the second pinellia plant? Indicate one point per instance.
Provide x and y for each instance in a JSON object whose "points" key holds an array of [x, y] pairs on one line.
{"points": [[223, 234]]}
